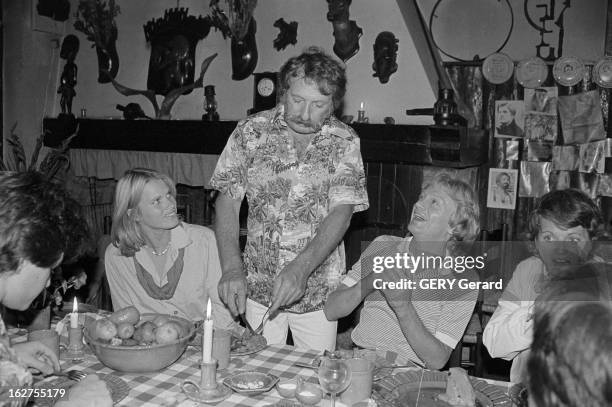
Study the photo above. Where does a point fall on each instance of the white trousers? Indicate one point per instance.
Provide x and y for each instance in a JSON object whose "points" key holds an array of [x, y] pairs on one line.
{"points": [[309, 331]]}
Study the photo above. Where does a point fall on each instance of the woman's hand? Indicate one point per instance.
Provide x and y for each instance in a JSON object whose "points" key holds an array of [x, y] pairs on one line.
{"points": [[38, 356]]}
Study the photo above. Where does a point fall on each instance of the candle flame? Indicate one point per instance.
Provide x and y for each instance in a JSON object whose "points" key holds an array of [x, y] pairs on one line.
{"points": [[75, 307], [208, 309], [361, 106]]}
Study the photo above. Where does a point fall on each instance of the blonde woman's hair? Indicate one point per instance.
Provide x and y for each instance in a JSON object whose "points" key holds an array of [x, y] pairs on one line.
{"points": [[125, 233], [465, 222]]}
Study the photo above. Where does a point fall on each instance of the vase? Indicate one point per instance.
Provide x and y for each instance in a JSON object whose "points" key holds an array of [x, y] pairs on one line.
{"points": [[108, 59], [244, 54]]}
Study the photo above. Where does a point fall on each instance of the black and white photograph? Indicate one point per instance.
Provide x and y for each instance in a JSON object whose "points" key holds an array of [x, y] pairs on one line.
{"points": [[541, 100], [509, 118], [260, 203], [502, 188]]}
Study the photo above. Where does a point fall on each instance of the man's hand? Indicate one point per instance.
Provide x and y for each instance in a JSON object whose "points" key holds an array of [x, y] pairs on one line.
{"points": [[38, 356], [233, 291], [289, 286], [396, 298]]}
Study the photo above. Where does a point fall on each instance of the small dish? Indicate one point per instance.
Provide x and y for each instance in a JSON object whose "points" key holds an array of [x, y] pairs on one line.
{"points": [[602, 72], [531, 73], [568, 71], [286, 388], [247, 345], [251, 382], [497, 68], [309, 394]]}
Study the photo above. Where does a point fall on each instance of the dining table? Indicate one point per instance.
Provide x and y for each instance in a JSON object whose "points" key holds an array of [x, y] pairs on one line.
{"points": [[163, 388]]}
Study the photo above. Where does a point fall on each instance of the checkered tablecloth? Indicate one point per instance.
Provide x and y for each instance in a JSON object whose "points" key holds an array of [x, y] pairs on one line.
{"points": [[163, 388]]}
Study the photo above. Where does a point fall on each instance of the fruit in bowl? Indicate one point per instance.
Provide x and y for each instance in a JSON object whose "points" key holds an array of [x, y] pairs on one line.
{"points": [[149, 348]]}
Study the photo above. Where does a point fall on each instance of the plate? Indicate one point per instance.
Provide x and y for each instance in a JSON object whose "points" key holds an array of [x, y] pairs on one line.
{"points": [[402, 389], [602, 72], [531, 73], [568, 71], [251, 382], [247, 345], [497, 68], [118, 388]]}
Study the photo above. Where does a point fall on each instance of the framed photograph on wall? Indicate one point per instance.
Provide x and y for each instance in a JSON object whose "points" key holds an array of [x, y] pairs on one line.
{"points": [[509, 118], [502, 188]]}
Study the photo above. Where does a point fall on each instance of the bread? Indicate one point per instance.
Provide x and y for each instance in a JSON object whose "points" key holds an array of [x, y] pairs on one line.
{"points": [[459, 391], [89, 392]]}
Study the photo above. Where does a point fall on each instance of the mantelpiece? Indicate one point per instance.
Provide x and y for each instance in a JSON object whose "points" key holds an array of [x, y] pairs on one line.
{"points": [[454, 147]]}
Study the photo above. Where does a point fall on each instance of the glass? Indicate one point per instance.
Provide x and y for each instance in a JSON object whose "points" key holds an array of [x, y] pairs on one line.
{"points": [[334, 377]]}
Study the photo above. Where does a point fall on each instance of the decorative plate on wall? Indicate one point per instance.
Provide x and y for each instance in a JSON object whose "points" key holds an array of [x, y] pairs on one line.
{"points": [[497, 68], [568, 71], [602, 72], [531, 73]]}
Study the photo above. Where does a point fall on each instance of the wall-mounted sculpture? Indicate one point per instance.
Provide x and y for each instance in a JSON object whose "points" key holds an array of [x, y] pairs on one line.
{"points": [[96, 19], [346, 32], [173, 40], [545, 12], [385, 54], [163, 112], [69, 50], [287, 34], [239, 24]]}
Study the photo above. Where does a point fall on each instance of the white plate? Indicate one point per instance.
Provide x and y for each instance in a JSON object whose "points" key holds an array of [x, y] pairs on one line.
{"points": [[497, 68], [531, 73], [568, 71], [602, 72]]}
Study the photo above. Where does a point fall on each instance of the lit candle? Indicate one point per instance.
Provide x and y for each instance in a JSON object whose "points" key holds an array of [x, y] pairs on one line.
{"points": [[74, 317], [362, 106], [208, 335]]}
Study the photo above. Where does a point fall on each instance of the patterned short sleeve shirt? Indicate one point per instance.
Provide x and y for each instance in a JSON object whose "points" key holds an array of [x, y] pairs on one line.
{"points": [[289, 197]]}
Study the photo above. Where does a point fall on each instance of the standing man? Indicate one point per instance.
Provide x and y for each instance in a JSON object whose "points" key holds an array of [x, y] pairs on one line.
{"points": [[303, 176]]}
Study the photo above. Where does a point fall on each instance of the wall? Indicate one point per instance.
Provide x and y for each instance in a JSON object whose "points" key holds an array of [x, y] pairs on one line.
{"points": [[32, 63]]}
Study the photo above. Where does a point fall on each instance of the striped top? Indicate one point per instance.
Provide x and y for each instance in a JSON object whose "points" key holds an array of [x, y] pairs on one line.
{"points": [[444, 312]]}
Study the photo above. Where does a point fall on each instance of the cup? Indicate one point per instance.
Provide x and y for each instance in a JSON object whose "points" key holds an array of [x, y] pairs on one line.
{"points": [[221, 347], [362, 373], [47, 337]]}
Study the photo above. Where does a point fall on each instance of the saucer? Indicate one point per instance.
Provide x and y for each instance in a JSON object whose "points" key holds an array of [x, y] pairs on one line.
{"points": [[192, 391], [531, 73], [568, 71], [497, 68], [602, 72]]}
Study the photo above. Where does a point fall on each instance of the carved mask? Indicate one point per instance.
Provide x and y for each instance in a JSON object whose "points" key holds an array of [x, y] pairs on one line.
{"points": [[385, 54]]}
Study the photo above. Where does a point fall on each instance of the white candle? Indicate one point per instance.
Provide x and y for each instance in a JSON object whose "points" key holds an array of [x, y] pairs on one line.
{"points": [[74, 317], [208, 335], [361, 106]]}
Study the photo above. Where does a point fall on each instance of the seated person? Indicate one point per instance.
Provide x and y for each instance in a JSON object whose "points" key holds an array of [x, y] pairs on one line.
{"points": [[562, 225], [39, 227], [570, 362], [156, 262], [420, 325]]}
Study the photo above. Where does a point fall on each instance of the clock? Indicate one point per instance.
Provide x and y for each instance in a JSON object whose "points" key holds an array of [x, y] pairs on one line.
{"points": [[265, 92]]}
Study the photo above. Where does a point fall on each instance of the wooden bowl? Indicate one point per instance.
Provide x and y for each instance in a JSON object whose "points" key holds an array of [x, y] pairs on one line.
{"points": [[141, 358]]}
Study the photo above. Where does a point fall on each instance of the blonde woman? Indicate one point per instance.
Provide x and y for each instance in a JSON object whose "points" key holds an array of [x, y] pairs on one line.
{"points": [[156, 262]]}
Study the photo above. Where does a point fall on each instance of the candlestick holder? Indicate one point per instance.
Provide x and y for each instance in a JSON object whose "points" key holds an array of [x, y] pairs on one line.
{"points": [[361, 118], [208, 390], [75, 349]]}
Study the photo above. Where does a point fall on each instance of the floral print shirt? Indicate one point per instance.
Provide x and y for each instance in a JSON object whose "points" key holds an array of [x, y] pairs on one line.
{"points": [[13, 373], [289, 197]]}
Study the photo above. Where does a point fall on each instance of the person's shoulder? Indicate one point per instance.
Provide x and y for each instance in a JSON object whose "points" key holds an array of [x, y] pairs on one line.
{"points": [[340, 129], [528, 266], [194, 230], [112, 251]]}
